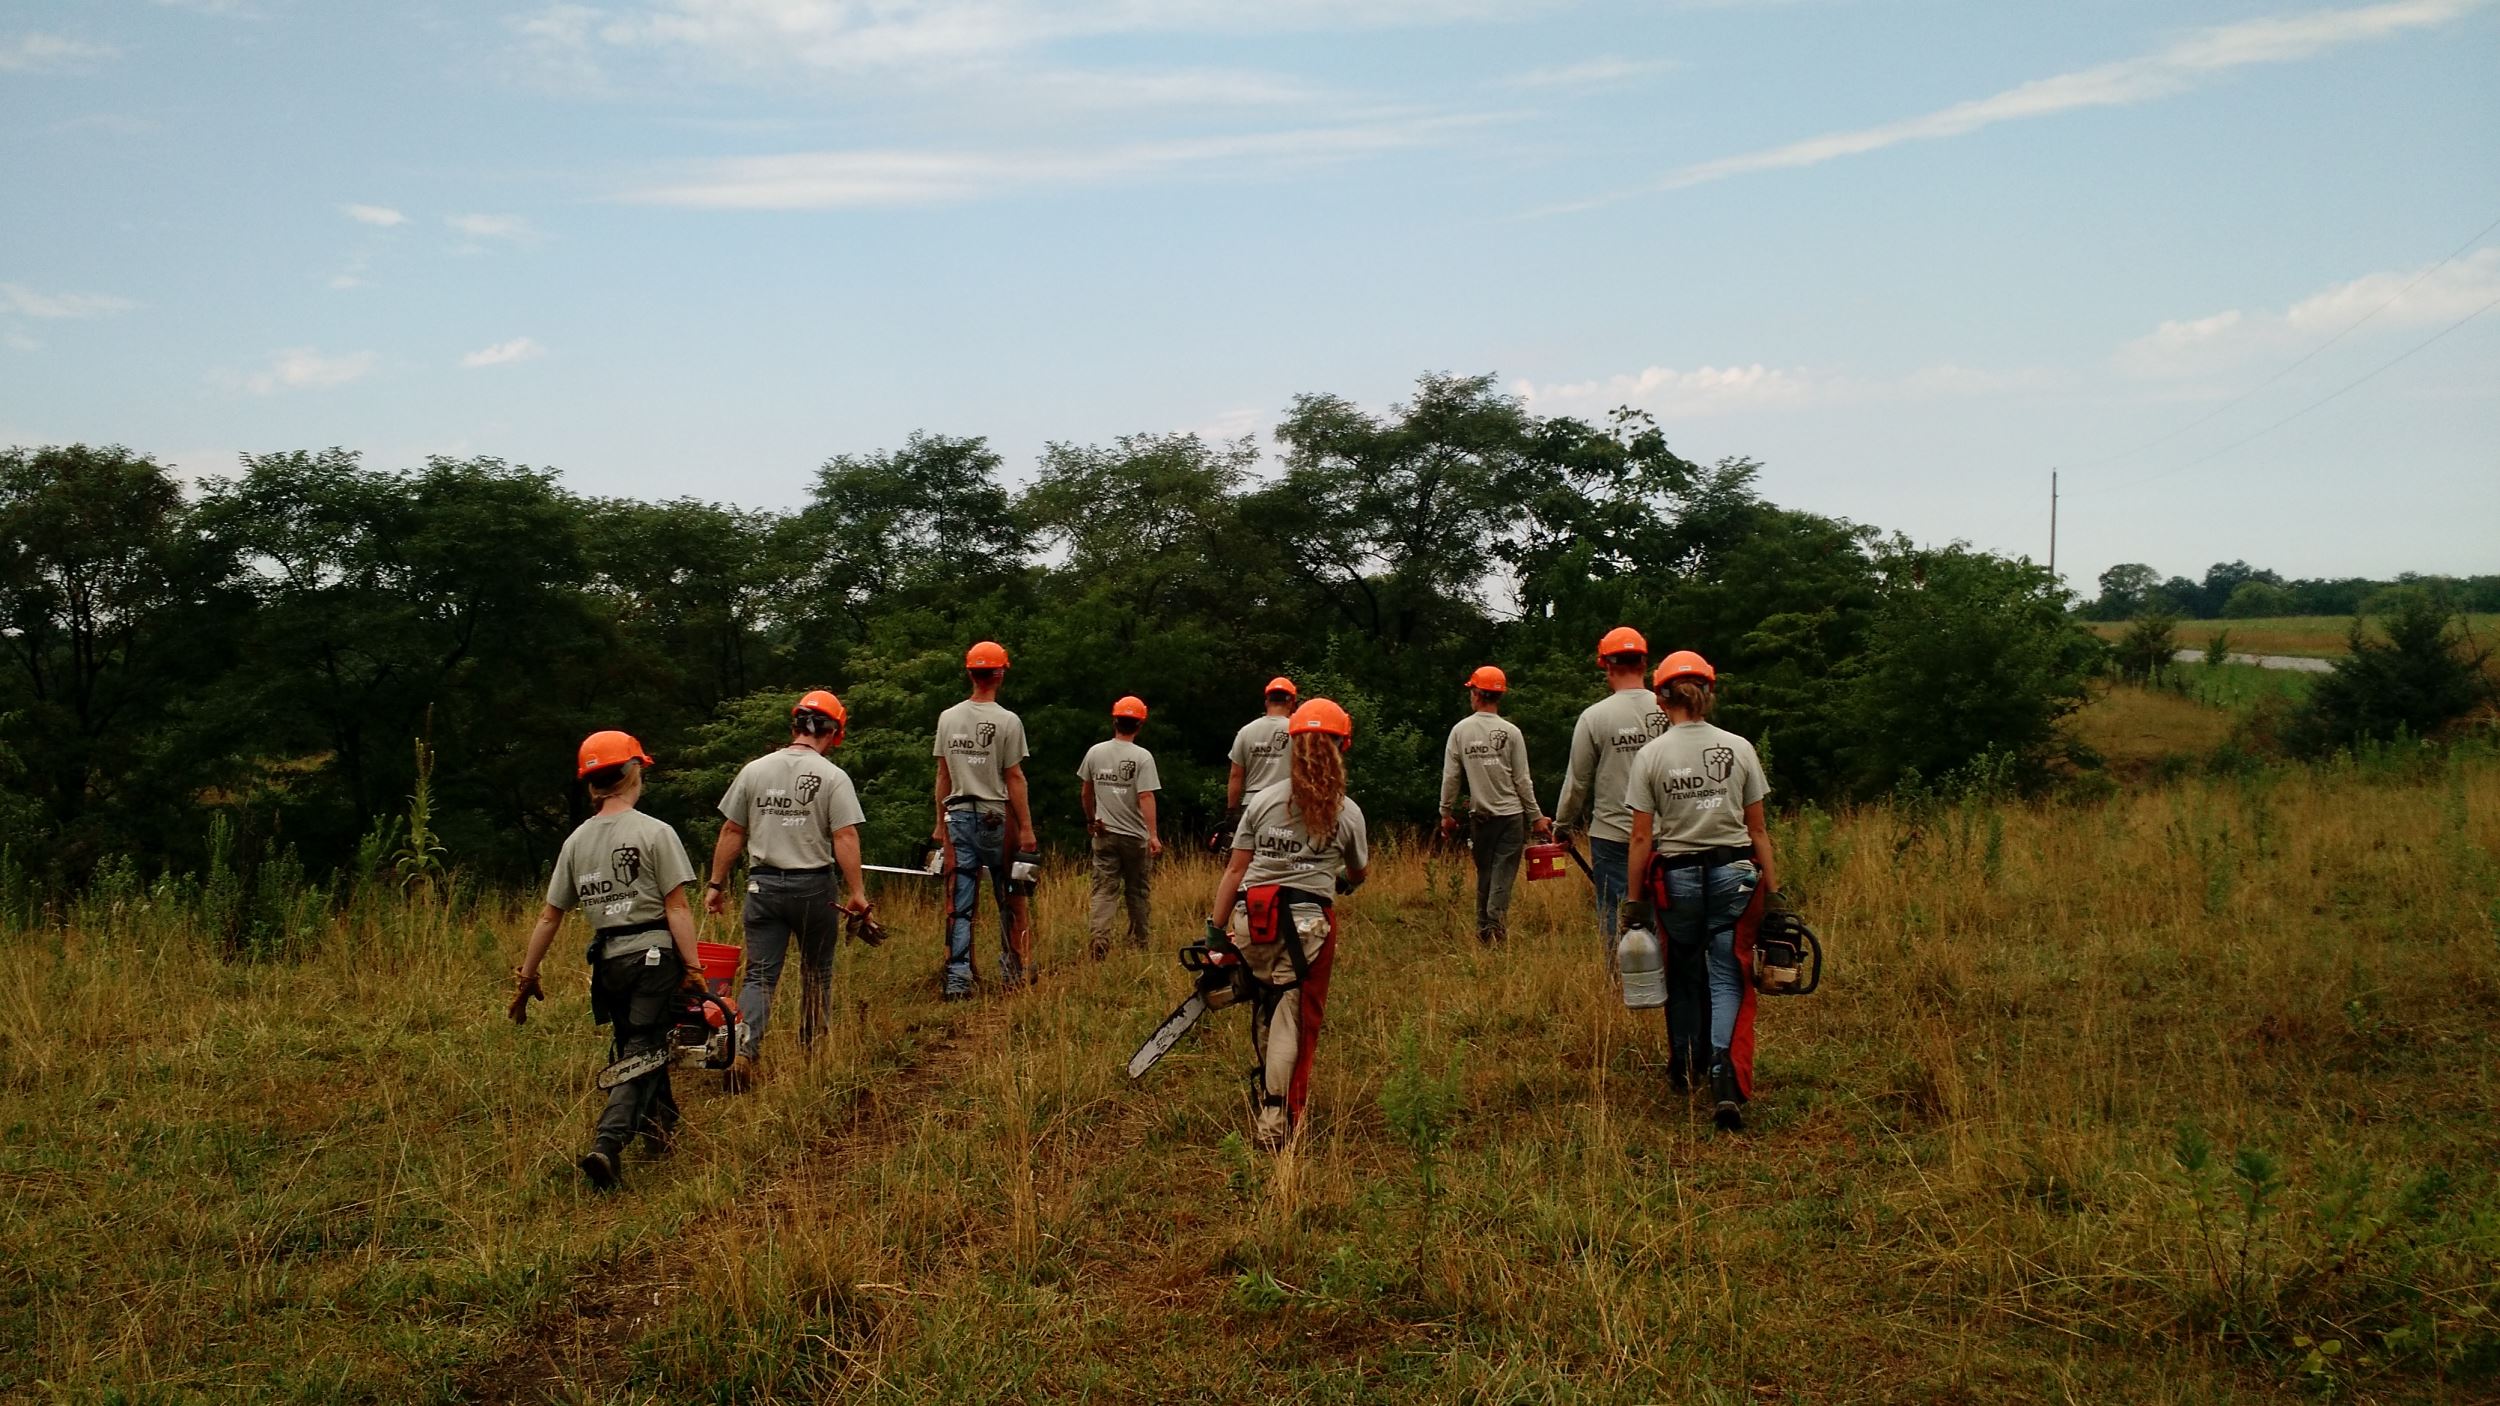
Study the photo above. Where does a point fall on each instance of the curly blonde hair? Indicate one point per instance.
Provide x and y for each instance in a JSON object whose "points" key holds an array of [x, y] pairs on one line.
{"points": [[1318, 783]]}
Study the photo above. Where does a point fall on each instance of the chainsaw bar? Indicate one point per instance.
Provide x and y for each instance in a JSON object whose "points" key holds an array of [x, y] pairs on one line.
{"points": [[1167, 1035], [634, 1066], [897, 869]]}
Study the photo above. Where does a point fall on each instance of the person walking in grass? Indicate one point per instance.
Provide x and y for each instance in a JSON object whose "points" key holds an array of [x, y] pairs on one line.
{"points": [[628, 874], [1610, 733], [1119, 786], [795, 815], [1298, 846], [1259, 753], [1701, 856], [1486, 751], [982, 808]]}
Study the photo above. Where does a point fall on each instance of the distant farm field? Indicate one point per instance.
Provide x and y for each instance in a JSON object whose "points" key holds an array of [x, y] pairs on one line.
{"points": [[2318, 636], [2186, 1094]]}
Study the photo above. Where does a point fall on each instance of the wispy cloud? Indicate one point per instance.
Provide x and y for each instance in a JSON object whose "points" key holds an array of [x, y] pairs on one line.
{"points": [[382, 215], [26, 302], [2175, 68], [504, 353], [19, 341], [1596, 73], [51, 53], [506, 229], [838, 179], [2197, 346], [303, 369], [1683, 394]]}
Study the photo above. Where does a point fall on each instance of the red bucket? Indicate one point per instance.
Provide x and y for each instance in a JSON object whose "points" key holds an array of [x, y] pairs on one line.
{"points": [[720, 965], [1545, 862]]}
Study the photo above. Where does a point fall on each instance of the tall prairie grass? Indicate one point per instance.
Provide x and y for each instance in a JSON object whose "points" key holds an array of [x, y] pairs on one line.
{"points": [[2183, 1095]]}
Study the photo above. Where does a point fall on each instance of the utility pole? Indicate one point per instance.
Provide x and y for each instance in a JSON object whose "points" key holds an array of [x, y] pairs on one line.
{"points": [[2052, 524]]}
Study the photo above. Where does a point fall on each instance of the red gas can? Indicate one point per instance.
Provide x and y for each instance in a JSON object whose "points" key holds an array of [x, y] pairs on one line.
{"points": [[1545, 862]]}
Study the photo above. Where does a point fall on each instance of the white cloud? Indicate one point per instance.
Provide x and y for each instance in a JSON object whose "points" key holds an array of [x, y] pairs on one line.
{"points": [[382, 215], [2190, 347], [512, 229], [1672, 394], [303, 368], [26, 302], [51, 53], [2172, 69], [19, 341], [838, 179], [505, 353], [858, 35], [1596, 73]]}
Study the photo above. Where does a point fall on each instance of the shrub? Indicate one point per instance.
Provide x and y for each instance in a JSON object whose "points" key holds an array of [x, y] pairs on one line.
{"points": [[2145, 652], [2423, 677]]}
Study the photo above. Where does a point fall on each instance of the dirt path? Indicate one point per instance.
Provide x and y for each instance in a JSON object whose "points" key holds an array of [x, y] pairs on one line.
{"points": [[580, 1349]]}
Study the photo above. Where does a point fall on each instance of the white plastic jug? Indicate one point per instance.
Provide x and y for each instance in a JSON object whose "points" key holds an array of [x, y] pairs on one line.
{"points": [[1642, 968]]}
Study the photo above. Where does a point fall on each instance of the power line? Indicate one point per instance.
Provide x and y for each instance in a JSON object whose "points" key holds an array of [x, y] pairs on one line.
{"points": [[2209, 416], [2322, 400]]}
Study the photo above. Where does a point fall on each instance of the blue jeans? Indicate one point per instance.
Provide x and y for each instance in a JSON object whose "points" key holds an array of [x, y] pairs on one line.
{"points": [[1607, 858], [1708, 920], [979, 840], [781, 908]]}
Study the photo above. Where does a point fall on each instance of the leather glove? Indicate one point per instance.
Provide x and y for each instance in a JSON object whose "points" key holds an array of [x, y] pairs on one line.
{"points": [[524, 990], [693, 980]]}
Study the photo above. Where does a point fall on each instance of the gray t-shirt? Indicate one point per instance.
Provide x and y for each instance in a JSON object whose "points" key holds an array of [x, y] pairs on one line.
{"points": [[979, 741], [1488, 751], [1610, 734], [1696, 780], [1282, 852], [1121, 772], [1263, 751], [791, 803], [620, 869]]}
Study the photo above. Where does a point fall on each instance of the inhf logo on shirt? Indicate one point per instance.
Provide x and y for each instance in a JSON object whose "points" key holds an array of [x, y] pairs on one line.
{"points": [[1633, 739], [983, 734], [808, 786], [1118, 774], [625, 862], [1719, 761], [1495, 745]]}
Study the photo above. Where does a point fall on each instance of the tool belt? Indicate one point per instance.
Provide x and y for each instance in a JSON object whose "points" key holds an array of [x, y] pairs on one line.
{"points": [[1705, 858], [1266, 915], [975, 803], [629, 941]]}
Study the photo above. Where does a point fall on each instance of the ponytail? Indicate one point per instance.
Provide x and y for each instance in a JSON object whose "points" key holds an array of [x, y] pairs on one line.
{"points": [[1689, 694], [614, 780], [1318, 783]]}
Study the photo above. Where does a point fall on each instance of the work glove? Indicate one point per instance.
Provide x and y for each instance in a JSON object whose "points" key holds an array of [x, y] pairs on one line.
{"points": [[524, 990], [693, 980], [1639, 913]]}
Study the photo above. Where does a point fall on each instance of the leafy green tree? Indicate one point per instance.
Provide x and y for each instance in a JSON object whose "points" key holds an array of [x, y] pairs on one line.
{"points": [[928, 527], [2149, 648], [2257, 600], [1969, 656], [2425, 675], [2125, 589]]}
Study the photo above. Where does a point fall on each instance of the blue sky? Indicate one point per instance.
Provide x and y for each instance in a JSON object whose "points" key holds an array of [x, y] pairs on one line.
{"points": [[1910, 254]]}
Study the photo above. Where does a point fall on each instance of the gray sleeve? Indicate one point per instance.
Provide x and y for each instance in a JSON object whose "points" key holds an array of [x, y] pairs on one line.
{"points": [[1636, 792], [1241, 748], [1757, 785], [1011, 751], [842, 804], [1148, 779], [1085, 765], [676, 870], [1449, 771], [1579, 777], [1246, 833], [560, 884], [1358, 838], [1527, 784], [735, 800]]}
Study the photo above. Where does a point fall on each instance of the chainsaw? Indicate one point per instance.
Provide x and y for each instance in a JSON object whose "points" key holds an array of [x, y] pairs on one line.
{"points": [[1220, 979]]}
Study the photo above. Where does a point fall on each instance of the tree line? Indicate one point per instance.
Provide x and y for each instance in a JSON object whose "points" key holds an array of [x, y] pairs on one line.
{"points": [[277, 648], [2234, 590]]}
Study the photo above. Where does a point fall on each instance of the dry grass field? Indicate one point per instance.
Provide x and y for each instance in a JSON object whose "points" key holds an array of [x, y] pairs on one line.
{"points": [[2318, 636], [2183, 1095]]}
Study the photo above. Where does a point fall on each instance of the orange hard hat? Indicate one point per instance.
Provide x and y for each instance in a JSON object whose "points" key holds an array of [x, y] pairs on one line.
{"points": [[988, 654], [1683, 664], [1322, 716], [1130, 707], [601, 750], [822, 702], [1281, 684], [1622, 639], [1488, 680]]}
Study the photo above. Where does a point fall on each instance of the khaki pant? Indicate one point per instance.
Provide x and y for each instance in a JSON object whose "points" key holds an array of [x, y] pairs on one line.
{"points": [[1499, 842], [1123, 874]]}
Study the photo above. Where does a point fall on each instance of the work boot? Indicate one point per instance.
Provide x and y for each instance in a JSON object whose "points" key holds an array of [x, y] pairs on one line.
{"points": [[1101, 948], [1679, 1074], [1723, 1088], [599, 1164], [741, 1076]]}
